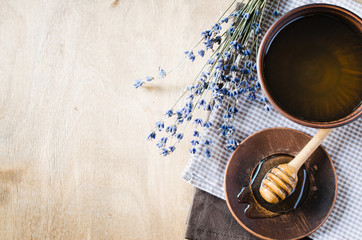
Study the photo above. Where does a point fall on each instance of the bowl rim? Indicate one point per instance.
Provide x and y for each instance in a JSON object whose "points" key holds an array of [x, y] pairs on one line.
{"points": [[347, 15], [227, 197]]}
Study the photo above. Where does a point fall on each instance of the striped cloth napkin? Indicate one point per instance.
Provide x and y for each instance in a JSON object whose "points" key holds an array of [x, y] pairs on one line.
{"points": [[344, 146]]}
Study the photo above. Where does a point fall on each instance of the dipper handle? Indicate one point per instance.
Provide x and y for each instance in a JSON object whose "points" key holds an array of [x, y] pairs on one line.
{"points": [[311, 146], [281, 181]]}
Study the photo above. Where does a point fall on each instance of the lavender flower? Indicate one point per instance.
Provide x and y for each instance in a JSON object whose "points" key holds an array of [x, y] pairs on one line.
{"points": [[217, 40], [231, 144], [164, 151], [224, 126], [216, 28], [263, 99], [169, 113], [231, 31], [171, 149], [160, 125], [179, 136], [204, 75], [210, 61], [206, 34], [224, 133], [207, 124], [247, 52], [209, 44], [162, 73], [202, 102], [171, 129], [225, 20], [267, 107], [233, 110], [235, 80], [162, 142], [151, 136], [138, 83], [180, 117], [207, 153], [209, 107], [201, 53], [193, 150], [149, 79], [198, 121], [227, 55], [190, 55], [245, 71]]}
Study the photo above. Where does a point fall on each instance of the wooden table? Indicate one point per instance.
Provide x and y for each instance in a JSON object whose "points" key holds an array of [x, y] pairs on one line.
{"points": [[74, 163]]}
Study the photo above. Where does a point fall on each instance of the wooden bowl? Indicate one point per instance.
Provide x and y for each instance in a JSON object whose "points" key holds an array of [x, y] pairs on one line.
{"points": [[289, 17], [311, 214]]}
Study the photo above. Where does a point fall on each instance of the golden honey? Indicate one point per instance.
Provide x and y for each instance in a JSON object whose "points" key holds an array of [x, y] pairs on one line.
{"points": [[258, 207], [313, 68]]}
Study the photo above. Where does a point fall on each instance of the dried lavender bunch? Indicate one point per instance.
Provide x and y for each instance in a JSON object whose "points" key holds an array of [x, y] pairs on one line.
{"points": [[228, 76]]}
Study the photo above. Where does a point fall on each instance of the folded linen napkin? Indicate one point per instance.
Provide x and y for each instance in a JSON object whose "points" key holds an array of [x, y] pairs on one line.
{"points": [[210, 219], [344, 146]]}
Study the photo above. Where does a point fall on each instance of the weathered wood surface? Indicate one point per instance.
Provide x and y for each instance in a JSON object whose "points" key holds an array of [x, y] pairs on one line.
{"points": [[74, 163], [73, 160]]}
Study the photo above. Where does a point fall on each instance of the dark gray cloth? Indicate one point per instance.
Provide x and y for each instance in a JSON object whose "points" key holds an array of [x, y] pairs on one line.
{"points": [[210, 219]]}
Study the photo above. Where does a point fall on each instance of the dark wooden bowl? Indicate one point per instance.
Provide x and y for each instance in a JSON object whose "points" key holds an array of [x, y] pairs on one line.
{"points": [[338, 12], [313, 211]]}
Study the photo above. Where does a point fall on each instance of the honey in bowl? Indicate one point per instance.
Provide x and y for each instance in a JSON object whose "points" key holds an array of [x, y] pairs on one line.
{"points": [[257, 206], [313, 68]]}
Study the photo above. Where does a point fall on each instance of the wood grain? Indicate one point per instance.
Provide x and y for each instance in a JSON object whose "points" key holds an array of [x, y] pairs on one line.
{"points": [[74, 163], [73, 160]]}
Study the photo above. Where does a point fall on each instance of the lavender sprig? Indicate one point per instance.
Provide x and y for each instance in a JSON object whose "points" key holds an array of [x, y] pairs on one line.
{"points": [[228, 76]]}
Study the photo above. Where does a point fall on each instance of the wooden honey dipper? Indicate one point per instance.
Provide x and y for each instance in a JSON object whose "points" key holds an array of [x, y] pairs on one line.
{"points": [[281, 181]]}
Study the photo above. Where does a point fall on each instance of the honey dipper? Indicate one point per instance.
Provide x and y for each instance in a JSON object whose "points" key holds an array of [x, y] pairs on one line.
{"points": [[280, 182]]}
